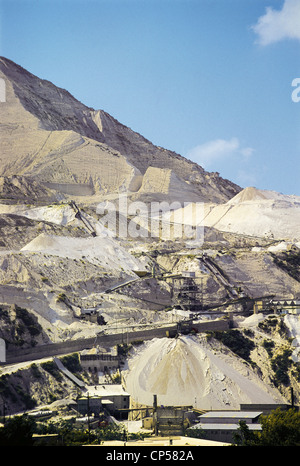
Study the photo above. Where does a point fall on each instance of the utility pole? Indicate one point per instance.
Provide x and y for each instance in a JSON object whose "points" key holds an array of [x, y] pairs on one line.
{"points": [[88, 413], [292, 397], [155, 414]]}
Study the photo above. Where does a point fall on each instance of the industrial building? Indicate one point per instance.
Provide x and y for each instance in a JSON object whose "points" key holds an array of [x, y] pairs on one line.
{"points": [[277, 306], [222, 425], [109, 397], [99, 359], [188, 292], [170, 420], [287, 306]]}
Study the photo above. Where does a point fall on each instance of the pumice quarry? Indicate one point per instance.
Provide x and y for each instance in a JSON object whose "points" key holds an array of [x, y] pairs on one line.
{"points": [[143, 299]]}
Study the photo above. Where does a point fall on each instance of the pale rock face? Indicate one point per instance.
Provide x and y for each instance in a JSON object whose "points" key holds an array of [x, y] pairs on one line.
{"points": [[166, 182], [253, 212], [48, 135]]}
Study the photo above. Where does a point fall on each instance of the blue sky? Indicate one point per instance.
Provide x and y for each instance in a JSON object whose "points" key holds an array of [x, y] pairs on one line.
{"points": [[208, 79]]}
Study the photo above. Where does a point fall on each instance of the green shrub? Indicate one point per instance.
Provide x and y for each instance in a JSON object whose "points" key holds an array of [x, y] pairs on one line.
{"points": [[52, 369], [17, 431], [236, 342], [268, 345], [280, 365], [29, 402], [71, 362]]}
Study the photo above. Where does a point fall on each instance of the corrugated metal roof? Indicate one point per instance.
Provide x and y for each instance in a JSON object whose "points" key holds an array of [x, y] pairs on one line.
{"points": [[106, 390], [231, 414], [216, 426]]}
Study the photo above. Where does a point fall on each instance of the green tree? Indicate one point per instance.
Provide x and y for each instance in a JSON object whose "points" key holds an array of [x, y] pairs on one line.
{"points": [[17, 431], [112, 432], [280, 428], [244, 436]]}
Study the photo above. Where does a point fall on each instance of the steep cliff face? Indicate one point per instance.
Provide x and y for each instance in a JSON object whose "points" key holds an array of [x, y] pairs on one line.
{"points": [[48, 135]]}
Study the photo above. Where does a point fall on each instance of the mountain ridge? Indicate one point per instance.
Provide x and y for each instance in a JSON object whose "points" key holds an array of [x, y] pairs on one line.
{"points": [[52, 109]]}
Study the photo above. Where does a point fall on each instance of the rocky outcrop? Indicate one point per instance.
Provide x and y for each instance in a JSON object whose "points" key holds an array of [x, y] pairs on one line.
{"points": [[48, 135]]}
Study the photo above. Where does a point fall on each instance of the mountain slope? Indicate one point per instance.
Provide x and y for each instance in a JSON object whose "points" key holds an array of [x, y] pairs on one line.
{"points": [[47, 134], [255, 212], [60, 262]]}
